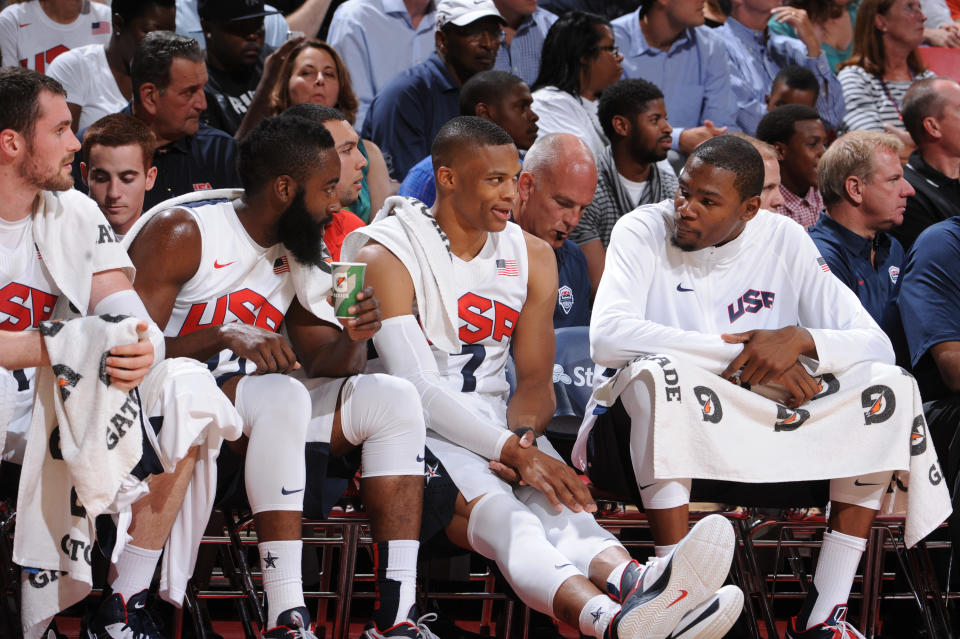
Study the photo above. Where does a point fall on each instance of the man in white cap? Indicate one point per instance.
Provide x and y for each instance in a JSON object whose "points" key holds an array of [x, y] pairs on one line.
{"points": [[404, 118]]}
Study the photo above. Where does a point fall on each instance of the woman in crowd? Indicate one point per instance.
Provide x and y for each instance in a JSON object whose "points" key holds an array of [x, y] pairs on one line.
{"points": [[884, 64], [832, 20], [579, 61]]}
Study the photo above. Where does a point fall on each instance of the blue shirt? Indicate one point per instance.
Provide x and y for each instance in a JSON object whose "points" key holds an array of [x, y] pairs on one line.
{"points": [[754, 63], [927, 301], [848, 256], [377, 40], [405, 117], [694, 74], [573, 294], [420, 182], [522, 56]]}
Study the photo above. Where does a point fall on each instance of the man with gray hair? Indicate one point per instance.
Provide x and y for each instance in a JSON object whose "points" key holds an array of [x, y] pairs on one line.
{"points": [[865, 193], [931, 113], [558, 180]]}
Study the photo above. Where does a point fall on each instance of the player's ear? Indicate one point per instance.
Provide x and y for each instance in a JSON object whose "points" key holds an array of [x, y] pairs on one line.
{"points": [[621, 125], [11, 143], [151, 178], [749, 208], [445, 177], [284, 189]]}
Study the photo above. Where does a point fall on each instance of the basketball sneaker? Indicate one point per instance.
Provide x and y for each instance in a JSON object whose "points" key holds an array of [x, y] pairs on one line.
{"points": [[713, 618], [116, 619], [835, 627], [408, 629], [291, 624]]}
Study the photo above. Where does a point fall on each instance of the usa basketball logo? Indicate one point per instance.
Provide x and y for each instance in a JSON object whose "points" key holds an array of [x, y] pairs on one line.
{"points": [[565, 295], [878, 403], [710, 407], [894, 272]]}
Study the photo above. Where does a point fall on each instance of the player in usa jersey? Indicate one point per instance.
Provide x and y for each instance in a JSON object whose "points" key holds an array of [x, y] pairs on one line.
{"points": [[222, 276], [504, 283]]}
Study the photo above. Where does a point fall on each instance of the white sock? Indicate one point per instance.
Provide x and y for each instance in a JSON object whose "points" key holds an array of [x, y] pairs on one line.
{"points": [[663, 551], [402, 567], [836, 568], [613, 579], [282, 577], [135, 568], [596, 615]]}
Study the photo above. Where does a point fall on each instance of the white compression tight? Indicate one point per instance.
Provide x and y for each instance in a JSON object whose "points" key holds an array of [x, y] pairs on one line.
{"points": [[275, 411], [535, 548], [864, 490]]}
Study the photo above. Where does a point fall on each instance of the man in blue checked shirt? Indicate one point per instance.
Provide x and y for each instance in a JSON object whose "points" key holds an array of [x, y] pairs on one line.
{"points": [[522, 38]]}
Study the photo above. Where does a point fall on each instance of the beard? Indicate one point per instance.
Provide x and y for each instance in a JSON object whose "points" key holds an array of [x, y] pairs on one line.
{"points": [[648, 156], [35, 175], [300, 233]]}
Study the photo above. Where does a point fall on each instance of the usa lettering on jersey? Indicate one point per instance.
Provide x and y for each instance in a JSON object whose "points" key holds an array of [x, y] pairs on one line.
{"points": [[473, 310], [246, 306], [24, 306], [753, 301]]}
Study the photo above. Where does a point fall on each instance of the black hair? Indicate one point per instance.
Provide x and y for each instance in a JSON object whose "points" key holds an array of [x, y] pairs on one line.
{"points": [[485, 87], [19, 98], [922, 101], [573, 37], [779, 125], [130, 9], [318, 113], [734, 154], [626, 98], [281, 145], [465, 133], [154, 56], [797, 77]]}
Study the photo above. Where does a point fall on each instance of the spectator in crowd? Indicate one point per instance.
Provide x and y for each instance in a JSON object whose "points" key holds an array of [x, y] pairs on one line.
{"points": [[798, 135], [523, 35], [168, 75], [609, 9], [757, 55], [378, 39], [665, 42], [34, 33], [235, 59], [557, 183], [277, 28], [884, 64], [634, 119], [931, 114], [770, 196], [498, 96], [346, 143], [96, 76], [579, 61], [404, 117], [118, 168], [793, 85], [832, 21], [865, 193], [940, 30]]}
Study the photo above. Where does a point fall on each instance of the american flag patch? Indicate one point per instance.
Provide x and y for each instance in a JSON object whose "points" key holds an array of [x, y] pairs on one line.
{"points": [[508, 268], [100, 27], [823, 265], [281, 266]]}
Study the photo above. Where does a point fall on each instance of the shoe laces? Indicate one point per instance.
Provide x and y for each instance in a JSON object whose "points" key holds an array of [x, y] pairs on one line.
{"points": [[422, 630], [849, 631]]}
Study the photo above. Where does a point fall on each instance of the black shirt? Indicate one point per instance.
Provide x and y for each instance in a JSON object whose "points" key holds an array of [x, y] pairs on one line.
{"points": [[937, 198], [228, 97]]}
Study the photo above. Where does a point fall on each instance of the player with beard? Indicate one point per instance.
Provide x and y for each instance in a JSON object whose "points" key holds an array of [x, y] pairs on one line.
{"points": [[634, 119], [221, 275]]}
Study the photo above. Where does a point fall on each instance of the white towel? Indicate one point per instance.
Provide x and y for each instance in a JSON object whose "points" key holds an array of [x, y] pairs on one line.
{"points": [[864, 420], [8, 403], [407, 229], [313, 283]]}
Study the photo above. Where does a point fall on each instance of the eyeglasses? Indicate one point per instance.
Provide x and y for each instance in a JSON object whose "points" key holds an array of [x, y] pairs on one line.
{"points": [[611, 49]]}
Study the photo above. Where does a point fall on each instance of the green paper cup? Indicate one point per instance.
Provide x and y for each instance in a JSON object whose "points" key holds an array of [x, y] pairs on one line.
{"points": [[347, 282]]}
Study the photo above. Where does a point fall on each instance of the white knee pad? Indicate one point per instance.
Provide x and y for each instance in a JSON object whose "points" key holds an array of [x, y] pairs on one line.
{"points": [[275, 411], [577, 536], [657, 494], [506, 531], [864, 490], [382, 413]]}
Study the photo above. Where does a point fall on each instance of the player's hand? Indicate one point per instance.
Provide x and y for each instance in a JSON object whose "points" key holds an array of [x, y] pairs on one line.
{"points": [[367, 316], [128, 364], [506, 473], [269, 351], [695, 136], [800, 21], [557, 481], [767, 354], [798, 382]]}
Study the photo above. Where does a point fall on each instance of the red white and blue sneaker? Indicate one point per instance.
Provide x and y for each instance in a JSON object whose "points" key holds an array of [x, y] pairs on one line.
{"points": [[835, 627], [291, 624], [117, 619], [413, 627], [654, 601], [713, 618]]}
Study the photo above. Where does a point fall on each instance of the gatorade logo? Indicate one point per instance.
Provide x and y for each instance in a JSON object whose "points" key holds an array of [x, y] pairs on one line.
{"points": [[918, 436], [710, 407], [827, 384], [344, 283], [878, 403], [789, 419]]}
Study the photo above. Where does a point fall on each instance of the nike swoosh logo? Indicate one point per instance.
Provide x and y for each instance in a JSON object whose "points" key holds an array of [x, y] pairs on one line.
{"points": [[138, 606], [647, 486], [559, 566], [683, 594], [289, 492], [419, 458], [683, 290], [217, 264], [857, 482], [25, 25]]}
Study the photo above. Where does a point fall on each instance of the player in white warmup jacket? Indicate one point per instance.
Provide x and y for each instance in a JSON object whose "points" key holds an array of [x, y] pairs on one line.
{"points": [[541, 534], [679, 275]]}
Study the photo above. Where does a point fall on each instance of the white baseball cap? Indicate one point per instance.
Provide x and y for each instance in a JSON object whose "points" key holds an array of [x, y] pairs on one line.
{"points": [[463, 12]]}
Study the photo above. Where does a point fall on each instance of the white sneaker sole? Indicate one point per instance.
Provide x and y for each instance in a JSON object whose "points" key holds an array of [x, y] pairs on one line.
{"points": [[713, 618], [697, 569]]}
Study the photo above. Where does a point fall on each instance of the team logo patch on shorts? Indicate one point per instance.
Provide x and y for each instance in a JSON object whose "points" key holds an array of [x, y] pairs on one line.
{"points": [[710, 405], [565, 298], [878, 404]]}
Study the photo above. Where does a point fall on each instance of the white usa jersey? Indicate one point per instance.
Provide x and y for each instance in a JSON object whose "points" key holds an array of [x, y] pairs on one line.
{"points": [[492, 288], [237, 281], [30, 39]]}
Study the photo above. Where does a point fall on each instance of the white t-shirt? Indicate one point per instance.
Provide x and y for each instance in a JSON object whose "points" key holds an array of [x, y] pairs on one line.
{"points": [[28, 37], [636, 191], [561, 112], [86, 75]]}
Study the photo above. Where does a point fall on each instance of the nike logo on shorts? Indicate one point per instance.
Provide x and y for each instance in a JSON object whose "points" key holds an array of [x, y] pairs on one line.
{"points": [[419, 458], [289, 492], [683, 290]]}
